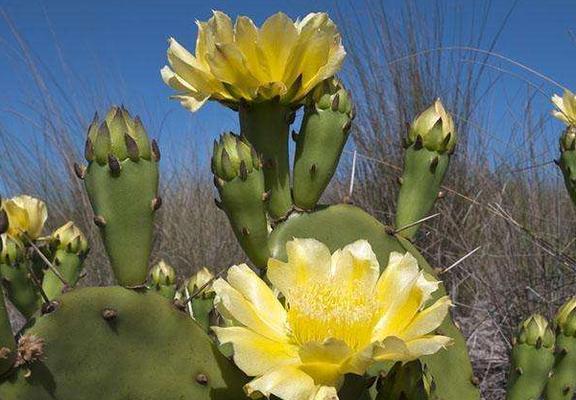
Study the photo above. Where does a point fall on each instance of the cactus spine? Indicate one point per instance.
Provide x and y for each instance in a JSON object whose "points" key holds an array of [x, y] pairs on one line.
{"points": [[532, 359], [430, 142], [325, 127], [122, 183]]}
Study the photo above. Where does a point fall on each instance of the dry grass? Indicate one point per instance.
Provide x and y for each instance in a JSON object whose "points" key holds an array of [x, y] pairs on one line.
{"points": [[502, 194]]}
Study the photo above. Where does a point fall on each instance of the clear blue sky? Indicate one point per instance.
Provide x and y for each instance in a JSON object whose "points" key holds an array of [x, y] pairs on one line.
{"points": [[118, 47]]}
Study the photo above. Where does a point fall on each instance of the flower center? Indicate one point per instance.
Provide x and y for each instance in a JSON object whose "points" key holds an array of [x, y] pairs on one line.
{"points": [[339, 310]]}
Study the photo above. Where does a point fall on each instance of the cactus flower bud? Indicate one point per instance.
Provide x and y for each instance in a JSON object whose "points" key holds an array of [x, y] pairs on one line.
{"points": [[117, 138], [70, 238], [566, 317], [568, 139], [233, 156], [331, 94], [12, 250], [26, 216], [565, 107], [434, 128], [536, 331], [162, 274], [199, 279]]}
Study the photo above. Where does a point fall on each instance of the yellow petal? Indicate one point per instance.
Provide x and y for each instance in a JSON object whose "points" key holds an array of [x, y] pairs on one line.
{"points": [[192, 101], [245, 281], [174, 81], [228, 65], [427, 345], [277, 37], [401, 271], [246, 38], [325, 393], [356, 263], [308, 259], [428, 320], [287, 383], [28, 213], [392, 348], [232, 304], [255, 354]]}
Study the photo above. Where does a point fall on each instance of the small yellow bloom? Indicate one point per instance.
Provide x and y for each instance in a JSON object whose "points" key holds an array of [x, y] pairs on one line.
{"points": [[566, 107], [199, 280], [26, 215], [340, 316], [283, 58]]}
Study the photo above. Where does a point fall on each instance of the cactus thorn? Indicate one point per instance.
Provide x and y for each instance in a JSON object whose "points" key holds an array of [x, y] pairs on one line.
{"points": [[132, 147], [49, 307], [441, 195], [218, 204], [99, 221], [447, 139], [3, 224], [156, 203], [353, 112], [418, 143], [346, 127], [565, 390], [474, 380], [295, 136], [245, 231], [434, 164], [89, 150], [557, 162], [79, 170], [109, 314], [335, 102], [218, 182], [155, 150], [114, 164], [519, 371], [539, 343], [243, 171], [202, 379], [265, 196], [400, 180]]}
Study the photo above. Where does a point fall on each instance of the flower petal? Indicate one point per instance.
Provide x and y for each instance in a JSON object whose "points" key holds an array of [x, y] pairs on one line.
{"points": [[356, 263], [308, 259], [255, 354], [427, 345], [277, 37], [428, 320], [245, 281], [232, 304], [287, 383]]}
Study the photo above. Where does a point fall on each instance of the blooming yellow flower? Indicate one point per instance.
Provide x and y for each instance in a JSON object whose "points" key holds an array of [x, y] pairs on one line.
{"points": [[340, 315], [283, 58], [566, 107], [26, 215]]}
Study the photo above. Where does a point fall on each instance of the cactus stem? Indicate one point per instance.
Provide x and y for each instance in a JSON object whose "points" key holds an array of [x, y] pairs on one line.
{"points": [[202, 379], [109, 314], [156, 203], [335, 102], [79, 170], [114, 164], [155, 150], [99, 221]]}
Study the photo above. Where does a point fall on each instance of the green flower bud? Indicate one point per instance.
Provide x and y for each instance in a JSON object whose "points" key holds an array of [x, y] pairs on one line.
{"points": [[163, 274], [233, 156], [568, 139], [117, 138], [566, 317], [12, 250], [330, 93], [536, 331], [199, 280], [434, 129], [70, 238]]}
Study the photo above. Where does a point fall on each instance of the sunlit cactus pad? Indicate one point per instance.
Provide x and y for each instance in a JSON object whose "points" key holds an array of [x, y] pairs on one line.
{"points": [[118, 344]]}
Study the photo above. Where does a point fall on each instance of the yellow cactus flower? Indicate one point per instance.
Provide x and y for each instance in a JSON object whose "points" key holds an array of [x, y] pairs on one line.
{"points": [[566, 107], [199, 280], [340, 316], [26, 215], [240, 61]]}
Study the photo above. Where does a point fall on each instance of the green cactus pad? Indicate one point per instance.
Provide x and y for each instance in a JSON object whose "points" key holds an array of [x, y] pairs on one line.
{"points": [[319, 145], [339, 225], [118, 344], [423, 174], [20, 289], [124, 206], [7, 341], [69, 265], [562, 381]]}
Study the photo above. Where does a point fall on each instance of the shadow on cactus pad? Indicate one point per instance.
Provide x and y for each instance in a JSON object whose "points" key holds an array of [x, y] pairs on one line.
{"points": [[114, 343]]}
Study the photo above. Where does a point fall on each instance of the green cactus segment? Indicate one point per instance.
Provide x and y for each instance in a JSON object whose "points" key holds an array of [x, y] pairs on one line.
{"points": [[69, 266], [562, 380], [532, 359], [266, 126], [324, 132], [402, 382], [422, 176], [567, 162], [339, 225], [117, 344], [240, 182], [122, 183], [7, 340]]}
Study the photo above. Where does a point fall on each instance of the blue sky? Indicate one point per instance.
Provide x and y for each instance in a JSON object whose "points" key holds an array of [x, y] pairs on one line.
{"points": [[118, 47]]}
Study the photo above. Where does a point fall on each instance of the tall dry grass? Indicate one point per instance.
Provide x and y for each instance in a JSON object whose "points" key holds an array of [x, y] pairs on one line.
{"points": [[502, 194]]}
